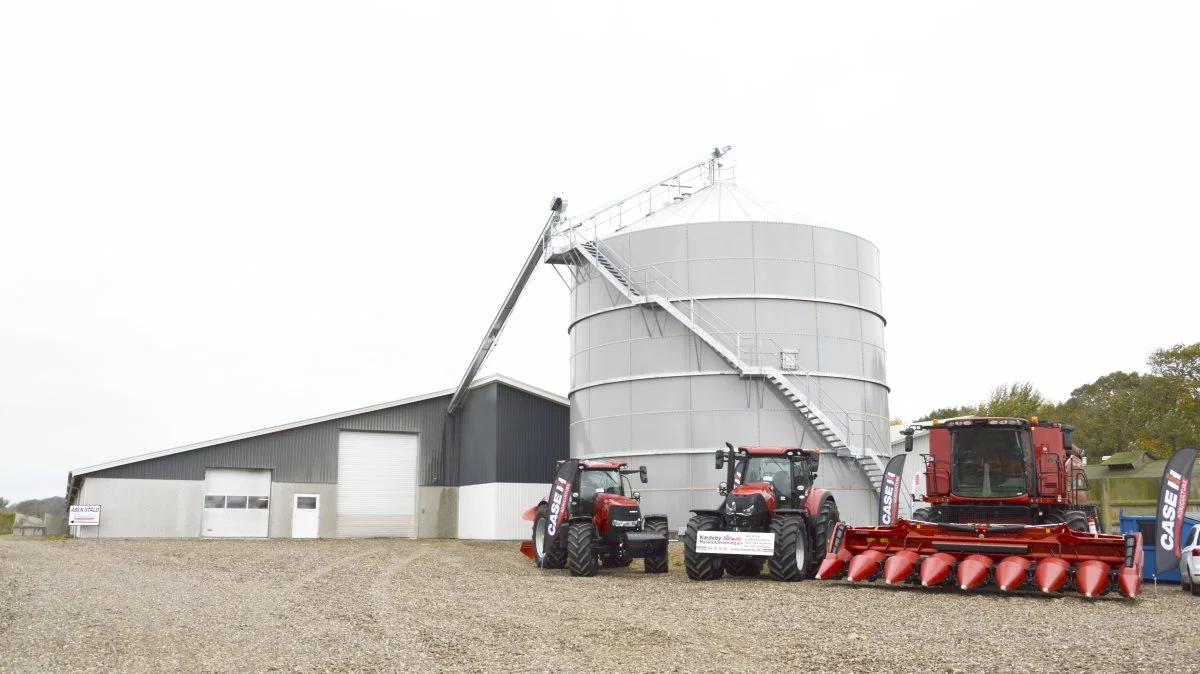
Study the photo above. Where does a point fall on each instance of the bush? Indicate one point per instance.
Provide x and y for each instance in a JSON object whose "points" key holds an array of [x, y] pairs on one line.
{"points": [[6, 522]]}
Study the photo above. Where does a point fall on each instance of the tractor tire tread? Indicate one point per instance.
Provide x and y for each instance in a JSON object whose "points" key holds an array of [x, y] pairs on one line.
{"points": [[789, 533], [581, 551], [657, 563], [701, 566]]}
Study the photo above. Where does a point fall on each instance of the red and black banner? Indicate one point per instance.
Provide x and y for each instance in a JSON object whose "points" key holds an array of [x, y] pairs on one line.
{"points": [[559, 500], [1172, 503], [889, 490]]}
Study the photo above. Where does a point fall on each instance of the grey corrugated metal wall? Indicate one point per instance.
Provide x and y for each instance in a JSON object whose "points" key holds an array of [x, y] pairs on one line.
{"points": [[304, 454], [502, 434], [532, 434], [473, 437]]}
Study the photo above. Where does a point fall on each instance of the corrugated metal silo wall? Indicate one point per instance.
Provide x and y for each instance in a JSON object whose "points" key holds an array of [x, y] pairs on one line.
{"points": [[307, 454]]}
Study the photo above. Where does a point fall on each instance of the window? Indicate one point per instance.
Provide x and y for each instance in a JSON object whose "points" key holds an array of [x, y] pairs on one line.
{"points": [[235, 501], [988, 462], [306, 503], [214, 501], [256, 502]]}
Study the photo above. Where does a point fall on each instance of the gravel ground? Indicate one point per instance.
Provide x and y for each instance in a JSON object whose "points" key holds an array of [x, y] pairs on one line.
{"points": [[395, 605]]}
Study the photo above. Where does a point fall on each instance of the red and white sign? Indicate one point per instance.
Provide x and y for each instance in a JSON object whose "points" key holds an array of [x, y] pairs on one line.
{"points": [[84, 516], [735, 543]]}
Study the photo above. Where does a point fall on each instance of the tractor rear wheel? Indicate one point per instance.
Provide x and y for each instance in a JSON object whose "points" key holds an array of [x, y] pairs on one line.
{"points": [[827, 519], [790, 561], [743, 567], [920, 515], [546, 553], [657, 563], [581, 551], [700, 566]]}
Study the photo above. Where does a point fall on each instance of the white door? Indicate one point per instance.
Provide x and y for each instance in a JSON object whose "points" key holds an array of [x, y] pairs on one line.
{"points": [[306, 515], [377, 484], [236, 503]]}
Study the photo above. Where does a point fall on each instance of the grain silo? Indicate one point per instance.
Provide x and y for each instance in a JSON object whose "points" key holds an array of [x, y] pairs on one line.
{"points": [[700, 316]]}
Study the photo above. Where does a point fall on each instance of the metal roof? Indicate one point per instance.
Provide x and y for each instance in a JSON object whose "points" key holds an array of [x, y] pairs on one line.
{"points": [[492, 379]]}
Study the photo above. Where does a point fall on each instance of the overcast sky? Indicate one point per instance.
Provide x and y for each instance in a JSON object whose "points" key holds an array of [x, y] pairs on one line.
{"points": [[222, 216]]}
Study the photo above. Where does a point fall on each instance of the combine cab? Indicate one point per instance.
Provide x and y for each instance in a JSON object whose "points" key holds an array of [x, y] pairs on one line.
{"points": [[593, 518], [1005, 509], [771, 515]]}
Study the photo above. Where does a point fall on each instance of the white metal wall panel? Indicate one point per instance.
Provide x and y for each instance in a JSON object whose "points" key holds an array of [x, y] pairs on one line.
{"points": [[493, 511], [377, 484], [236, 517]]}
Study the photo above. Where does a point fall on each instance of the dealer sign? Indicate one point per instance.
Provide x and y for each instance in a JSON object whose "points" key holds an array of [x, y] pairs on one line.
{"points": [[84, 516], [735, 543]]}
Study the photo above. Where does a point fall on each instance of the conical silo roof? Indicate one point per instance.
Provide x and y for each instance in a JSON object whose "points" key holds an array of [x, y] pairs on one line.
{"points": [[721, 201]]}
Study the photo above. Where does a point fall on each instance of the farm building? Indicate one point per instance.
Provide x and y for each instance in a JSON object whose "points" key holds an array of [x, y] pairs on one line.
{"points": [[404, 468]]}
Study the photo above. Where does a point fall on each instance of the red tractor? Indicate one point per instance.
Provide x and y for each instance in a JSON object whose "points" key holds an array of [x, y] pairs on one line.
{"points": [[593, 518], [1005, 508], [771, 514]]}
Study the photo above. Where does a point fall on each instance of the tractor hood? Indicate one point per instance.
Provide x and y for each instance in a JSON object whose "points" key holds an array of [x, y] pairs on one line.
{"points": [[751, 489]]}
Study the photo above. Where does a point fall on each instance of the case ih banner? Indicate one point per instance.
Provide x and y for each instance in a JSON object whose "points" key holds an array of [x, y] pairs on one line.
{"points": [[889, 490], [559, 499], [1172, 502]]}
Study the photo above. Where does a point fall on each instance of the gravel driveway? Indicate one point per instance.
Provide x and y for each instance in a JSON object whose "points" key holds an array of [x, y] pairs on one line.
{"points": [[394, 605]]}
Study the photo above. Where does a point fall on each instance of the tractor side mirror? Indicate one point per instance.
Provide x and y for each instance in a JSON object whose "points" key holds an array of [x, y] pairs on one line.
{"points": [[642, 473], [720, 459], [722, 488], [1068, 441], [908, 439], [637, 496]]}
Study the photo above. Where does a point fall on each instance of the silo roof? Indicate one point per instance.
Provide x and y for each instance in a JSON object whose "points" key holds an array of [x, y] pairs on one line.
{"points": [[722, 201]]}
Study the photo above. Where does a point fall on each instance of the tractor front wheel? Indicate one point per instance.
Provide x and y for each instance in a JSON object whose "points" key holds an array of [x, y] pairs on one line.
{"points": [[700, 566], [546, 553], [827, 519], [581, 550], [790, 561], [657, 563]]}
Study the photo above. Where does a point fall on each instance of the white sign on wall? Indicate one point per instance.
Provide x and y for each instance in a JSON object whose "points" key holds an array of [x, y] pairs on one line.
{"points": [[735, 543], [84, 516]]}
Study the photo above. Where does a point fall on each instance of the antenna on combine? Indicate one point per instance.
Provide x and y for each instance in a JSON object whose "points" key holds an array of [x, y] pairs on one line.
{"points": [[634, 206]]}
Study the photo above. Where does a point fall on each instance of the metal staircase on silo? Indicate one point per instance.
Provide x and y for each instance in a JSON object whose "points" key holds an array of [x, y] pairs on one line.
{"points": [[655, 287]]}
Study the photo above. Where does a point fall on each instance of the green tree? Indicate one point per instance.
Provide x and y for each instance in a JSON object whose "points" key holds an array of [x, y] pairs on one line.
{"points": [[949, 413], [1018, 399], [1181, 363], [3, 503]]}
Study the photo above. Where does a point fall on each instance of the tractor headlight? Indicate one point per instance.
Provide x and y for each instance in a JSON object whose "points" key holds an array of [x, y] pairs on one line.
{"points": [[730, 508], [748, 511]]}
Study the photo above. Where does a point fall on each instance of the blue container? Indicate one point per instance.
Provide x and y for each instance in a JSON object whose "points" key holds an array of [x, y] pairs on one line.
{"points": [[1146, 524]]}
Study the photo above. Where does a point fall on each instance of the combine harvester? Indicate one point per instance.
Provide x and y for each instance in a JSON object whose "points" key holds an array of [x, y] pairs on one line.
{"points": [[1003, 510]]}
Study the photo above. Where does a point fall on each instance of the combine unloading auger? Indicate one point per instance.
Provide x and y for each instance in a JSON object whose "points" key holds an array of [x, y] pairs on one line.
{"points": [[1011, 557], [1007, 508]]}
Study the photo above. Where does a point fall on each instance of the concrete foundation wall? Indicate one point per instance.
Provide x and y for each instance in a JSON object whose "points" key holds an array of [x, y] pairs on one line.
{"points": [[282, 497], [132, 508], [437, 512]]}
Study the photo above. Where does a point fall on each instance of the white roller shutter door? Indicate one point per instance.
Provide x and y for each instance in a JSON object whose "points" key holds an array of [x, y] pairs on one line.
{"points": [[377, 484]]}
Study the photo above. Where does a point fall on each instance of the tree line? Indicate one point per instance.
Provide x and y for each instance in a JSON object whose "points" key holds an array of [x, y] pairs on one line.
{"points": [[36, 507], [1155, 412]]}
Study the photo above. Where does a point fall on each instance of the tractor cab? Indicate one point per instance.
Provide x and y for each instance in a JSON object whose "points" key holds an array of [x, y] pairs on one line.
{"points": [[597, 478], [785, 474]]}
